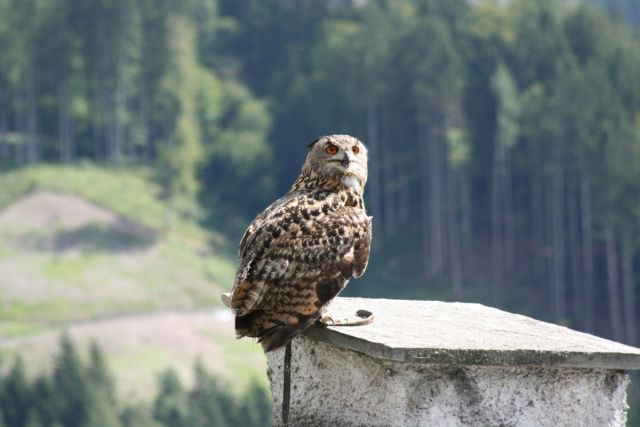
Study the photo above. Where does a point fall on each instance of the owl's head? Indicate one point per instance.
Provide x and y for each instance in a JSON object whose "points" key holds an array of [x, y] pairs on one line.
{"points": [[340, 159]]}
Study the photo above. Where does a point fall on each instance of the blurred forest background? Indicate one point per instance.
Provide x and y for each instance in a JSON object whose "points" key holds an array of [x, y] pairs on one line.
{"points": [[139, 137]]}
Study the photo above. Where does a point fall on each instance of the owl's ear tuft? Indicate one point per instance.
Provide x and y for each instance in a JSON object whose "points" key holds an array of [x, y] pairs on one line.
{"points": [[314, 142]]}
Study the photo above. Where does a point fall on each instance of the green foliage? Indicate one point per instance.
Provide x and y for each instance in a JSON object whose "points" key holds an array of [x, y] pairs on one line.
{"points": [[33, 420], [237, 175], [170, 406], [72, 384], [15, 395], [257, 406], [80, 392], [507, 95], [137, 416], [129, 83], [98, 373], [208, 403], [179, 157]]}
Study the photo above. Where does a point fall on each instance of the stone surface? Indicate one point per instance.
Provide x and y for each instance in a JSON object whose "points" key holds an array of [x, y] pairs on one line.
{"points": [[427, 363], [336, 387], [432, 332]]}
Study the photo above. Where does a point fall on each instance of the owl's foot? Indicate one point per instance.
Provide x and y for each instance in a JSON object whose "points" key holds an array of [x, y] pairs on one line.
{"points": [[362, 317]]}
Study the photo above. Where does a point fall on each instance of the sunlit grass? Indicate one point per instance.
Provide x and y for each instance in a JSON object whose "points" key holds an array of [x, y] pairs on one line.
{"points": [[237, 352], [67, 269], [138, 371], [245, 360], [20, 329]]}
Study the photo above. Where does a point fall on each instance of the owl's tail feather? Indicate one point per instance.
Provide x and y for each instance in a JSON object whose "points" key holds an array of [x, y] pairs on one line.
{"points": [[272, 333], [278, 336], [246, 326]]}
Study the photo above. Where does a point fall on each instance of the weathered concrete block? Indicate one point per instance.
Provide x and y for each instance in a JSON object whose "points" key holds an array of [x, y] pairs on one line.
{"points": [[424, 363]]}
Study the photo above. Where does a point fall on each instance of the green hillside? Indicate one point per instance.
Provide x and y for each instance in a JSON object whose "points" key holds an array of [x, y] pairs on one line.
{"points": [[98, 233], [86, 250]]}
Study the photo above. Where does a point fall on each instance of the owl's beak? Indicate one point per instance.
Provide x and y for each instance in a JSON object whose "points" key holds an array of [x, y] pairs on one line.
{"points": [[347, 159]]}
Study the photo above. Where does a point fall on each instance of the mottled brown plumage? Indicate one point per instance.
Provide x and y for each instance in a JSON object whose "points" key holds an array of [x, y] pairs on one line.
{"points": [[299, 253]]}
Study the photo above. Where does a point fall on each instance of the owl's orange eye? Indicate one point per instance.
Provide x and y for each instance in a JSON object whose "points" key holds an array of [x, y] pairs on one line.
{"points": [[331, 149], [355, 149]]}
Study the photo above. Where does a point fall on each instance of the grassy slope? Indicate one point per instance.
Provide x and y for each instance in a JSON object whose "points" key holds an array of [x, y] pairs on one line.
{"points": [[58, 277]]}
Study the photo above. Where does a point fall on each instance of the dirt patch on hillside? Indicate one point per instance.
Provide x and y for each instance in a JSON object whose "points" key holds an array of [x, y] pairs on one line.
{"points": [[65, 222], [48, 210]]}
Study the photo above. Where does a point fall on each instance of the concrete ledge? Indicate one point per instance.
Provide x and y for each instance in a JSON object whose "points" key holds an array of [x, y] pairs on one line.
{"points": [[429, 363], [433, 332], [337, 387]]}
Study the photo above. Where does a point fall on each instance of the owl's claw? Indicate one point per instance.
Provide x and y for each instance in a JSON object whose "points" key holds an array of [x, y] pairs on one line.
{"points": [[327, 320], [363, 317]]}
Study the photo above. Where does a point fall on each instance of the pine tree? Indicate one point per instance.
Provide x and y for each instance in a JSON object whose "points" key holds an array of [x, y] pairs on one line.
{"points": [[33, 420], [256, 406], [205, 403], [137, 415], [99, 374], [180, 156], [170, 406], [45, 399], [16, 397], [99, 410], [71, 385]]}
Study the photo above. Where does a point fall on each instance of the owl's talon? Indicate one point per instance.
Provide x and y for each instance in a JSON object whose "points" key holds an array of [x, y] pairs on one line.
{"points": [[363, 317], [327, 320]]}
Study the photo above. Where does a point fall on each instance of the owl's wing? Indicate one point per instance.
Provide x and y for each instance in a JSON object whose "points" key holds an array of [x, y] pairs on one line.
{"points": [[250, 232], [300, 238], [361, 250], [246, 293]]}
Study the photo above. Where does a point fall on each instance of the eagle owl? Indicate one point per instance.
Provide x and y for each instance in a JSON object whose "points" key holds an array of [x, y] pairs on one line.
{"points": [[299, 253]]}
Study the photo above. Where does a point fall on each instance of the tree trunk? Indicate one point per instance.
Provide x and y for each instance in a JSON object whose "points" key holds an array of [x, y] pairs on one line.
{"points": [[612, 284], [404, 198], [537, 215], [436, 226], [20, 125], [110, 127], [32, 118], [497, 222], [467, 229], [455, 253], [389, 178], [4, 126], [425, 216], [587, 245], [376, 161], [145, 131], [121, 105], [65, 132], [629, 291], [509, 220], [119, 113], [98, 108], [547, 223], [558, 260], [574, 247]]}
